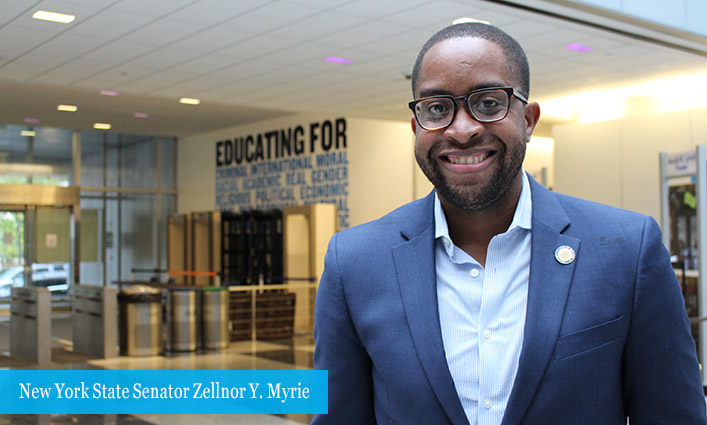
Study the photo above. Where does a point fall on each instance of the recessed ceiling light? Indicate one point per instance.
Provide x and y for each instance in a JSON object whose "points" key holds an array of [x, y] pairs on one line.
{"points": [[141, 115], [109, 93], [32, 120], [67, 108], [101, 126], [27, 133], [189, 101], [53, 17], [465, 20], [578, 47], [335, 59]]}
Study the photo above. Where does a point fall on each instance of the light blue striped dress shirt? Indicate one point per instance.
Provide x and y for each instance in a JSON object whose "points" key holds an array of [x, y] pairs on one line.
{"points": [[482, 312]]}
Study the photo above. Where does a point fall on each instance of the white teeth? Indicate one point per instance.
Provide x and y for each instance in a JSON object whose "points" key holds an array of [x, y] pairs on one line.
{"points": [[467, 159]]}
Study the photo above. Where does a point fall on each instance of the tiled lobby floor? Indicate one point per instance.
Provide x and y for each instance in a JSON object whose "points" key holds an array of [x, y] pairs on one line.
{"points": [[291, 353]]}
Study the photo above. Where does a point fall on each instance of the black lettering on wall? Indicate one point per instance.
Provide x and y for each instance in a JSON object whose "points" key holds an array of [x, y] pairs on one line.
{"points": [[327, 139], [238, 150], [269, 136], [248, 151], [287, 142], [313, 135], [340, 133], [299, 140], [285, 139], [228, 152], [219, 153], [259, 154]]}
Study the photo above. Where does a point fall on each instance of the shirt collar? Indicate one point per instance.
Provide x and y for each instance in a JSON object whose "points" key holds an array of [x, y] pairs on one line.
{"points": [[521, 218]]}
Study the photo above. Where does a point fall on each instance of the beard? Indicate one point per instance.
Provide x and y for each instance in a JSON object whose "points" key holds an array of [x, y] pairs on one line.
{"points": [[474, 197]]}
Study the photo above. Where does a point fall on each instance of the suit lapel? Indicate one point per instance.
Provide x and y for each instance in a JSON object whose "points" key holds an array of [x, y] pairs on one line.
{"points": [[415, 268], [548, 289]]}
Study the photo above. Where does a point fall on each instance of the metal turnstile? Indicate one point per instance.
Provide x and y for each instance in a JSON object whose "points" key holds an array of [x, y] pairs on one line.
{"points": [[31, 324], [94, 320]]}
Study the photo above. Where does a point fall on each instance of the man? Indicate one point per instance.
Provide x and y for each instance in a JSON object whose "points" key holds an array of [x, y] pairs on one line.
{"points": [[493, 300]]}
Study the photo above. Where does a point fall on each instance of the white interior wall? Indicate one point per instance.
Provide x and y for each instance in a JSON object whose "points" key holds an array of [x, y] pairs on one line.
{"points": [[539, 159], [196, 177], [381, 168], [616, 162], [381, 165]]}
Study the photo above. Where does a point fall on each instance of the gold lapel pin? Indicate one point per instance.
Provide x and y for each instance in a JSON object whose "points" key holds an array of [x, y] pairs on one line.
{"points": [[564, 254]]}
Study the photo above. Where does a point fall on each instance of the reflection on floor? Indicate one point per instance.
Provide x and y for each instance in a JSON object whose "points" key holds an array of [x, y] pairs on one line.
{"points": [[291, 353]]}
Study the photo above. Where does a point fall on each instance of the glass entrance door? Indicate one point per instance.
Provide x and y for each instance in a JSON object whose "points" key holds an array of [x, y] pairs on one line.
{"points": [[12, 251], [35, 249], [50, 252]]}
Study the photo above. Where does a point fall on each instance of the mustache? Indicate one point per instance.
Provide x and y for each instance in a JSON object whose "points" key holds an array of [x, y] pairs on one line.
{"points": [[487, 140]]}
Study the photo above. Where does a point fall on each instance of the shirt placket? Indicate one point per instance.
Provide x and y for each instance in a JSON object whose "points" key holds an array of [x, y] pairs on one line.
{"points": [[488, 341]]}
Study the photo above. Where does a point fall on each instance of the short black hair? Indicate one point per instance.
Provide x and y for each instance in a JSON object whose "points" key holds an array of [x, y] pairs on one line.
{"points": [[517, 60]]}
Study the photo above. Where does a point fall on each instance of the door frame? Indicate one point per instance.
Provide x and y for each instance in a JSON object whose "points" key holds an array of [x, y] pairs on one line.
{"points": [[30, 196]]}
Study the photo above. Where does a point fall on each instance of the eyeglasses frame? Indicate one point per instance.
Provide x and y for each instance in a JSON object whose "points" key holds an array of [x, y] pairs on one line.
{"points": [[510, 91]]}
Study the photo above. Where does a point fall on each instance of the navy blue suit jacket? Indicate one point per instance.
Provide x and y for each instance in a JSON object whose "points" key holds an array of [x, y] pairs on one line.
{"points": [[606, 336]]}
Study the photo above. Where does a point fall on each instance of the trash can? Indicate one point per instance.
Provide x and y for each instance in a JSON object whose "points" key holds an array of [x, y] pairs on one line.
{"points": [[214, 317], [181, 319], [140, 321]]}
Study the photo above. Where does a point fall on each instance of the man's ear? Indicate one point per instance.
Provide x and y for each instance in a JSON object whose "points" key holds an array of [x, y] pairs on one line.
{"points": [[413, 123], [532, 116]]}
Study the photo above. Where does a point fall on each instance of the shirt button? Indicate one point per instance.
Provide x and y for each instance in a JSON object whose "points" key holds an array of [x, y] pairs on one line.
{"points": [[487, 403], [487, 334], [474, 272], [446, 241]]}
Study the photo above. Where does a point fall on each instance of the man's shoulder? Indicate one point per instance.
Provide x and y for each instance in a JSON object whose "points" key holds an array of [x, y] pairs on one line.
{"points": [[598, 217], [580, 206]]}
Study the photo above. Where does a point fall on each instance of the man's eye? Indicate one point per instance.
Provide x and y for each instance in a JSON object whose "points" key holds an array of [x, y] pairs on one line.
{"points": [[437, 108], [489, 105]]}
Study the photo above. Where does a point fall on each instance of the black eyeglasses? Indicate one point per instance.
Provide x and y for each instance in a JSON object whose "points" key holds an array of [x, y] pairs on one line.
{"points": [[485, 105]]}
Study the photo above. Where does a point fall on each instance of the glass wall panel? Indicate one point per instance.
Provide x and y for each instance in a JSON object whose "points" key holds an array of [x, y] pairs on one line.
{"points": [[138, 165], [92, 158], [39, 155], [685, 15], [52, 147], [169, 207], [112, 152], [128, 228], [14, 153], [138, 234], [126, 161], [169, 155]]}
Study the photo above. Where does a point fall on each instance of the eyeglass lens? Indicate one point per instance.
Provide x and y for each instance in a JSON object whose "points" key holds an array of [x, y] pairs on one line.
{"points": [[485, 106]]}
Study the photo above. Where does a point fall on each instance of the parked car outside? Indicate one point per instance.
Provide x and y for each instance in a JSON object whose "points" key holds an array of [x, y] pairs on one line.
{"points": [[53, 276], [12, 277]]}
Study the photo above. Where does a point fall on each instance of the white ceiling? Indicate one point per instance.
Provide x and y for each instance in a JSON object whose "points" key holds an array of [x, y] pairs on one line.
{"points": [[249, 60]]}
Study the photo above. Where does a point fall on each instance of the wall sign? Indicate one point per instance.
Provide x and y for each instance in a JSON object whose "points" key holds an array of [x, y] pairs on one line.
{"points": [[300, 165], [681, 164]]}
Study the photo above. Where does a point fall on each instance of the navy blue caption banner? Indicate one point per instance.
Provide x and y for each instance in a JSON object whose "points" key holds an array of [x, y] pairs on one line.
{"points": [[163, 391]]}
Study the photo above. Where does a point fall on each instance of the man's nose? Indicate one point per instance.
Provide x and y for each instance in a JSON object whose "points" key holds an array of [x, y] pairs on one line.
{"points": [[464, 127]]}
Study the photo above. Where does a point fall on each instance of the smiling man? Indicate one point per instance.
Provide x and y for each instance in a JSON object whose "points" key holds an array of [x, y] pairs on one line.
{"points": [[493, 300]]}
